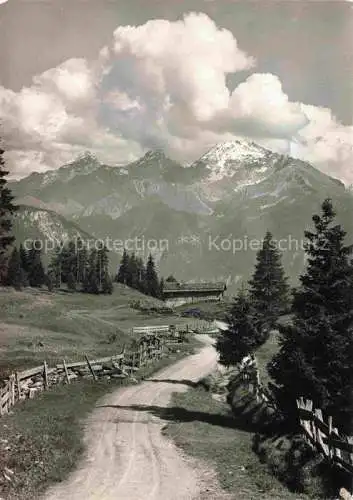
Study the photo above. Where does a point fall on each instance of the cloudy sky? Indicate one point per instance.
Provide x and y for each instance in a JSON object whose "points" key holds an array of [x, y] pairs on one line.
{"points": [[120, 77]]}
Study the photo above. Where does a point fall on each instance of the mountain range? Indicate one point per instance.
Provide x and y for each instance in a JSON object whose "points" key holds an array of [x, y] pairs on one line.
{"points": [[203, 221]]}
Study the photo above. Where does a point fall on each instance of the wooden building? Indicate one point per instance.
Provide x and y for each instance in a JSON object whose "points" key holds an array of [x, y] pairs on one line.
{"points": [[175, 294]]}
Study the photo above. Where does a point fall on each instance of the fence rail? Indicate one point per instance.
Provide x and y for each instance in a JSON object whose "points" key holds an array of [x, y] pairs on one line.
{"points": [[324, 436], [26, 384], [318, 433]]}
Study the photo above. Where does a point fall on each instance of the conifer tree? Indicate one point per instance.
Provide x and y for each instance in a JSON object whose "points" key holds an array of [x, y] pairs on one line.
{"points": [[82, 260], [242, 336], [91, 283], [7, 209], [65, 262], [123, 269], [269, 291], [141, 275], [55, 267], [315, 358], [132, 272], [50, 281], [36, 273], [24, 258], [171, 279], [15, 274], [152, 281], [107, 284], [161, 288], [71, 282], [102, 265]]}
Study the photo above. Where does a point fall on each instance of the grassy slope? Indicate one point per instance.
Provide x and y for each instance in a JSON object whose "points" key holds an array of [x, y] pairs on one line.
{"points": [[206, 429], [38, 325], [44, 435]]}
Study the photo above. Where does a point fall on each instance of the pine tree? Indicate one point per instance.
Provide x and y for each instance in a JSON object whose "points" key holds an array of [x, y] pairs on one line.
{"points": [[102, 265], [7, 209], [171, 279], [107, 284], [24, 258], [82, 260], [55, 267], [69, 267], [15, 274], [152, 281], [65, 263], [132, 272], [269, 291], [123, 269], [71, 282], [242, 337], [161, 288], [36, 273], [315, 358], [51, 281], [141, 275], [91, 283]]}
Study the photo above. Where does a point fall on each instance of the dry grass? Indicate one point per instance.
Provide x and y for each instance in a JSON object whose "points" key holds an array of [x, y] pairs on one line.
{"points": [[206, 429], [38, 325]]}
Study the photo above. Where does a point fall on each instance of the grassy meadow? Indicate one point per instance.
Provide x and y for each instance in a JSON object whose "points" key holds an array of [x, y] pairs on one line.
{"points": [[36, 325]]}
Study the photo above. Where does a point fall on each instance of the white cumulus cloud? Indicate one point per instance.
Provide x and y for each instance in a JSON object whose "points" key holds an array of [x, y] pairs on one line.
{"points": [[164, 84]]}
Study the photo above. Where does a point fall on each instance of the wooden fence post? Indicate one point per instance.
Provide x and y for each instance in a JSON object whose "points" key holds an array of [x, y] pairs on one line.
{"points": [[140, 353], [66, 372], [90, 368], [18, 383], [45, 375], [12, 388]]}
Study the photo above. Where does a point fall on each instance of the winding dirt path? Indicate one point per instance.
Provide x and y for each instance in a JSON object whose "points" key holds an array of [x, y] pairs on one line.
{"points": [[128, 458]]}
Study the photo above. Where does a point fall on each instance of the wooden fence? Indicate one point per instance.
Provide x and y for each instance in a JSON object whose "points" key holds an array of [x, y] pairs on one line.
{"points": [[324, 437], [203, 326], [26, 384], [175, 332], [320, 435]]}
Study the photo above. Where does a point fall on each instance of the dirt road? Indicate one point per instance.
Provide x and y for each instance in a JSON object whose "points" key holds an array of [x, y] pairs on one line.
{"points": [[127, 456]]}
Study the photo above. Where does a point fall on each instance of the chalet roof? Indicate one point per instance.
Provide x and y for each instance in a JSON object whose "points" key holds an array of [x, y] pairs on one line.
{"points": [[174, 287]]}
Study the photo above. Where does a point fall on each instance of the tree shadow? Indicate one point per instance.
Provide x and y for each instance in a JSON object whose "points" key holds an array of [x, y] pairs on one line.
{"points": [[178, 414], [189, 383]]}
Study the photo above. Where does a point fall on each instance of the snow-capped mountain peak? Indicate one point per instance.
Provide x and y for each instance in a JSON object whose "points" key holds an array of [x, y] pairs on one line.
{"points": [[245, 162], [233, 151]]}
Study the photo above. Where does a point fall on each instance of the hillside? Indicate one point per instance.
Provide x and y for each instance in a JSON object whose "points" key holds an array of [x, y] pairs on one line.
{"points": [[37, 325]]}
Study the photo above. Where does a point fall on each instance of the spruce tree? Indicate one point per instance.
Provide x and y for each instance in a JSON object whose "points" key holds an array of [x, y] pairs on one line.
{"points": [[7, 209], [171, 279], [24, 258], [141, 275], [102, 265], [71, 282], [91, 283], [82, 260], [55, 267], [51, 281], [242, 336], [15, 274], [152, 281], [269, 291], [36, 273], [132, 272], [161, 288], [315, 357], [65, 262], [123, 269], [107, 284]]}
